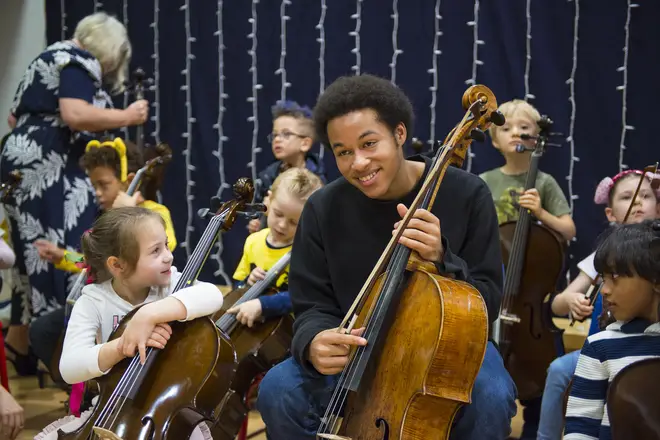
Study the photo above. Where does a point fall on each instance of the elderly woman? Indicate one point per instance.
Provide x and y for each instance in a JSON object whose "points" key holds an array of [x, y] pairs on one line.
{"points": [[61, 103]]}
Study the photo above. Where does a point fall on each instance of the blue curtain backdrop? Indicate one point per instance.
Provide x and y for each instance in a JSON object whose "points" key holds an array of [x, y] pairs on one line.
{"points": [[204, 91]]}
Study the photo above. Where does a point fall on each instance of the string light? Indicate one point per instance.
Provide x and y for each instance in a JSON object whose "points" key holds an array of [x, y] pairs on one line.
{"points": [[571, 127], [624, 89], [97, 5], [475, 63], [321, 40], [282, 70], [255, 87], [189, 121], [125, 20], [221, 138], [395, 44], [155, 87], [63, 27], [528, 45], [356, 33], [434, 69]]}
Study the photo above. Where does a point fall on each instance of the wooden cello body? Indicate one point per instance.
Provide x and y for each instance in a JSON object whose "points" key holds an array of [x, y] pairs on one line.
{"points": [[426, 333], [434, 374], [169, 404], [632, 401], [534, 261], [532, 346]]}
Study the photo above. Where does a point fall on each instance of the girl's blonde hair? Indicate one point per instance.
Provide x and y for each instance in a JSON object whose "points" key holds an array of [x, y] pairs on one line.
{"points": [[299, 183], [114, 234], [510, 108], [106, 38]]}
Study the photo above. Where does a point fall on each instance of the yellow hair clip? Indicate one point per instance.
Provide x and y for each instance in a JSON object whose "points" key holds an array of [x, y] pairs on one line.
{"points": [[119, 146]]}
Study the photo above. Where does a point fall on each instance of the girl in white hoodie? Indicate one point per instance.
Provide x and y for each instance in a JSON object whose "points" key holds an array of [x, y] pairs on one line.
{"points": [[128, 256]]}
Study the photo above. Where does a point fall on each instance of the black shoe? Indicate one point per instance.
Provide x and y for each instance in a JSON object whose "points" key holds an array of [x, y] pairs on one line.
{"points": [[24, 364]]}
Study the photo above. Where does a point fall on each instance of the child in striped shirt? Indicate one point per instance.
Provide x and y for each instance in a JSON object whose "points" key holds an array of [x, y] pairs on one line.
{"points": [[629, 261]]}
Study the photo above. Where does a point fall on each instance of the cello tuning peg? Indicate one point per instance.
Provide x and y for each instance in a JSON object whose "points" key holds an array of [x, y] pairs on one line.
{"points": [[497, 118], [478, 135], [139, 74], [204, 213], [216, 202]]}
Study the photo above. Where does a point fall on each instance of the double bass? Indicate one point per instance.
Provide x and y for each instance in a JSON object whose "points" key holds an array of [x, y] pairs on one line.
{"points": [[427, 333], [160, 399], [534, 261]]}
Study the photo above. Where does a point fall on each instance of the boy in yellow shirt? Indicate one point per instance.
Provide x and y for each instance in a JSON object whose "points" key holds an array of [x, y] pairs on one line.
{"points": [[264, 248]]}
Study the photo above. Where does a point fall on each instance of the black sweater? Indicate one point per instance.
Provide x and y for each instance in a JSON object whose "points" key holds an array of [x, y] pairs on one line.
{"points": [[342, 234]]}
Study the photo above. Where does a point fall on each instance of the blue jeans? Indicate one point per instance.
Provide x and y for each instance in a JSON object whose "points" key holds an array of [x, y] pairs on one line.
{"points": [[291, 402], [560, 372]]}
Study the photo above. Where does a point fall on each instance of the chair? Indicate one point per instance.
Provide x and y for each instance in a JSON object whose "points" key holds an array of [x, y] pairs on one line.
{"points": [[242, 434]]}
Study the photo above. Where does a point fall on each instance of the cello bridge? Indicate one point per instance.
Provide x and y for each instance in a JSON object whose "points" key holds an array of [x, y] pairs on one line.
{"points": [[506, 317], [105, 434]]}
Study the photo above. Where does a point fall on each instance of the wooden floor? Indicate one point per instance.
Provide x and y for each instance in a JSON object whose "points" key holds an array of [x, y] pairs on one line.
{"points": [[43, 406]]}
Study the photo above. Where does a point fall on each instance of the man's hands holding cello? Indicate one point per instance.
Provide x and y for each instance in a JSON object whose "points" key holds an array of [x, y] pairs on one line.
{"points": [[422, 233], [329, 349]]}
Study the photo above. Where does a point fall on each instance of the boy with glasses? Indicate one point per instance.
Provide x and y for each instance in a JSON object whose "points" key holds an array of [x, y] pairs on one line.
{"points": [[291, 140]]}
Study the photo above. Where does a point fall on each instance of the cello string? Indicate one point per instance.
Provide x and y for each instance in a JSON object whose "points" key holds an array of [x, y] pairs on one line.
{"points": [[339, 387], [397, 259]]}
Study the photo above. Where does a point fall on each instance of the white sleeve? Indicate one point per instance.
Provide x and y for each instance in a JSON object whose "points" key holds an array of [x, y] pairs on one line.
{"points": [[80, 353], [200, 299], [587, 266]]}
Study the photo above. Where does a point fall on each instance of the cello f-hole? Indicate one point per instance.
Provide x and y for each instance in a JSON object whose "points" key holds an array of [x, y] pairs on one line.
{"points": [[386, 427]]}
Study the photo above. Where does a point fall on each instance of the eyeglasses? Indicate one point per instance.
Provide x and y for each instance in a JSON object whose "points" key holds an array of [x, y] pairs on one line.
{"points": [[286, 135]]}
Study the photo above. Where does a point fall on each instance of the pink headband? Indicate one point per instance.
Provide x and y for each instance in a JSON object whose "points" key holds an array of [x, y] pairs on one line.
{"points": [[605, 186]]}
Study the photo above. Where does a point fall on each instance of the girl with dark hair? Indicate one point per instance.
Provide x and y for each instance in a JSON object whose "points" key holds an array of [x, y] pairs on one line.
{"points": [[629, 261]]}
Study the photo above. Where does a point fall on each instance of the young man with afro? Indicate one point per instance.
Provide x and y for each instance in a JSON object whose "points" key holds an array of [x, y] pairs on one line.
{"points": [[343, 230]]}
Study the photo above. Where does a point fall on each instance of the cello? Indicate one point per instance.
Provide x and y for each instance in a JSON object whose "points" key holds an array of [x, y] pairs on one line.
{"points": [[427, 333], [161, 400], [257, 349], [534, 255]]}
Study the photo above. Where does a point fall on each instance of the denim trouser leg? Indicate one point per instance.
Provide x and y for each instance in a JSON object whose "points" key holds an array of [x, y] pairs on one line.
{"points": [[292, 402], [560, 372]]}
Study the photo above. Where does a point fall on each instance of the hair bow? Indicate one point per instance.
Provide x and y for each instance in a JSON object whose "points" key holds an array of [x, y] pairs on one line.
{"points": [[602, 195], [119, 146]]}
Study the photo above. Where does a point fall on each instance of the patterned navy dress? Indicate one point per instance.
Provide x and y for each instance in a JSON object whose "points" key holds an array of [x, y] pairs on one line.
{"points": [[55, 200]]}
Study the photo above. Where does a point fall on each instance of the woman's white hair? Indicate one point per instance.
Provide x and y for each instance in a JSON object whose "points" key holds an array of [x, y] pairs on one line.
{"points": [[106, 38]]}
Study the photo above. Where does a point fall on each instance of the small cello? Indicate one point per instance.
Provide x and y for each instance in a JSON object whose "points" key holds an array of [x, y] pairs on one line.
{"points": [[534, 256], [427, 333], [160, 399], [257, 349]]}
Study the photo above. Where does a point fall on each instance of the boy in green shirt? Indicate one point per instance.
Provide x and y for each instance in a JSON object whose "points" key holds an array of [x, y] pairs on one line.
{"points": [[546, 201]]}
